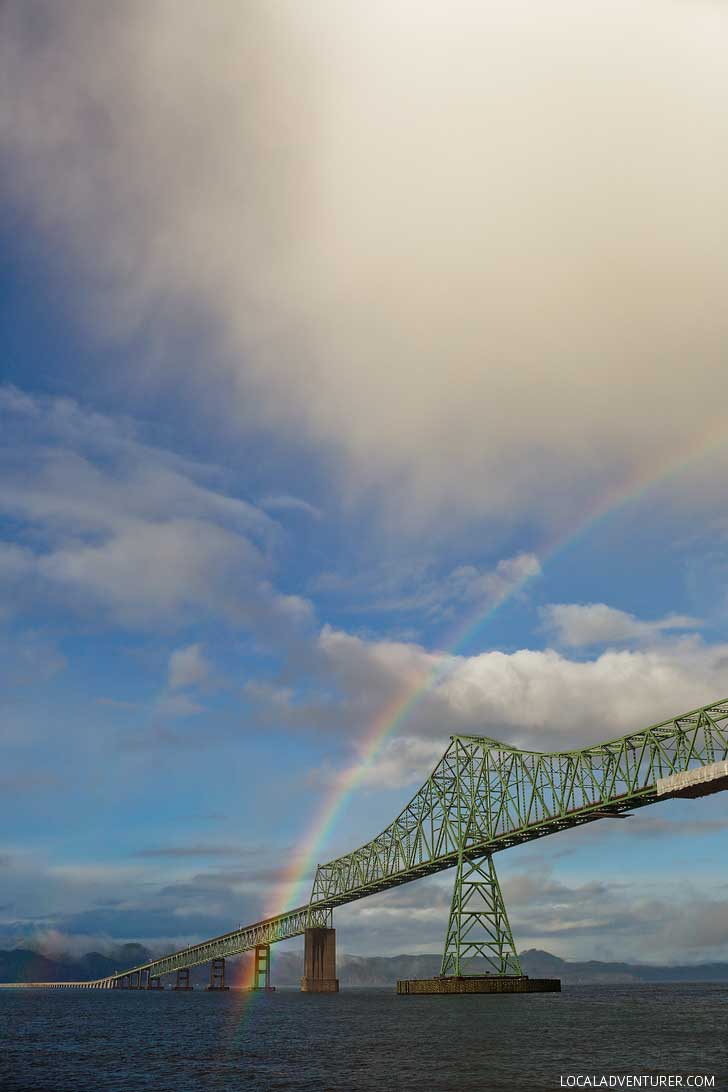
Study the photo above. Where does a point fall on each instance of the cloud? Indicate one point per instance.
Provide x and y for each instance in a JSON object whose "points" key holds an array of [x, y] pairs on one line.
{"points": [[595, 917], [577, 625], [658, 826], [176, 705], [107, 524], [400, 762], [411, 589], [155, 898], [187, 668], [401, 230], [539, 699], [192, 851], [284, 503]]}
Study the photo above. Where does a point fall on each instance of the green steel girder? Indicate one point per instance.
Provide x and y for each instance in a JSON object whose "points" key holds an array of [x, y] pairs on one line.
{"points": [[481, 798], [485, 796], [478, 927]]}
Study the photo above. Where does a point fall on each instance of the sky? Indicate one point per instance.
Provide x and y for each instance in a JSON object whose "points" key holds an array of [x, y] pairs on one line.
{"points": [[346, 347]]}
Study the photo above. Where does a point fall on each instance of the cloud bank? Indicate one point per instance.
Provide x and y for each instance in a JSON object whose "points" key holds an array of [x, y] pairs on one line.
{"points": [[105, 523], [471, 253]]}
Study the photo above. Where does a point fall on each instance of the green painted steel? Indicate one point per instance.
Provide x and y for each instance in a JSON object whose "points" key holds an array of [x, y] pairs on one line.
{"points": [[485, 796], [478, 927], [481, 798]]}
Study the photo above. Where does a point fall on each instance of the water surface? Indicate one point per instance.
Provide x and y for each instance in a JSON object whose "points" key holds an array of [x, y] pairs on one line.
{"points": [[118, 1041]]}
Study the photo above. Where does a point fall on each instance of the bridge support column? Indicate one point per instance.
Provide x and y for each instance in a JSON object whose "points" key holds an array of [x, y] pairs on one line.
{"points": [[262, 969], [154, 982], [217, 975], [319, 961], [183, 980], [478, 926], [478, 930]]}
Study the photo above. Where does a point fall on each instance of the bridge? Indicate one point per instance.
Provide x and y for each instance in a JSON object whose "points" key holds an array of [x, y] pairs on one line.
{"points": [[483, 797]]}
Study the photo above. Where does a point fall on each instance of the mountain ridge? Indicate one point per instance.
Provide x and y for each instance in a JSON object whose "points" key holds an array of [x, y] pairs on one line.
{"points": [[26, 965]]}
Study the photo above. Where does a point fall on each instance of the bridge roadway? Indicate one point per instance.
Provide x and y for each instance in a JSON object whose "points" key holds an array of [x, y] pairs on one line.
{"points": [[483, 797]]}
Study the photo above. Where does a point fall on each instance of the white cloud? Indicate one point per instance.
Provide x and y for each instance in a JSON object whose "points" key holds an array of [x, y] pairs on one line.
{"points": [[408, 588], [458, 249], [105, 522], [529, 698], [578, 625], [187, 667], [283, 502]]}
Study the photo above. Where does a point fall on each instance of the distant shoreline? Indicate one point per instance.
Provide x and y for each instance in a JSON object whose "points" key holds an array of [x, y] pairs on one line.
{"points": [[25, 965]]}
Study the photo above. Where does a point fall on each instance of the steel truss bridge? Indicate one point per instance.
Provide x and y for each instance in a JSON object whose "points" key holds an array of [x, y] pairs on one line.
{"points": [[484, 797]]}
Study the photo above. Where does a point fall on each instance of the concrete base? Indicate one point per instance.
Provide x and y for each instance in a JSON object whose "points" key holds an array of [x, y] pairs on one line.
{"points": [[182, 989], [319, 985], [261, 989], [487, 983], [216, 989], [319, 961]]}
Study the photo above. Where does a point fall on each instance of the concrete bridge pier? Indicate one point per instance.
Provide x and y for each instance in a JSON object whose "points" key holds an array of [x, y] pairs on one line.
{"points": [[261, 973], [217, 975], [319, 961], [183, 980]]}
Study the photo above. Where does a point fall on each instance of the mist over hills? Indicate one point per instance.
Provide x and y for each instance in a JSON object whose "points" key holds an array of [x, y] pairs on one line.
{"points": [[25, 965]]}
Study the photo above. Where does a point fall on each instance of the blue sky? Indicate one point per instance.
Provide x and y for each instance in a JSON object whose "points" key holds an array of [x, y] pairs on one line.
{"points": [[318, 332]]}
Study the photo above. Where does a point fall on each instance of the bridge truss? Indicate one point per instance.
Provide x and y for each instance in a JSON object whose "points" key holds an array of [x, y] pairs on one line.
{"points": [[483, 797]]}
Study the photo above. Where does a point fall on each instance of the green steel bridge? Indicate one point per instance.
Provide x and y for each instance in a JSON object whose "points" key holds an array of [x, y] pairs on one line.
{"points": [[483, 797]]}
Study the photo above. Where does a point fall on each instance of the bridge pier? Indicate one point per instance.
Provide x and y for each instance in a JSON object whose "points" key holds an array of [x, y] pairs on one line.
{"points": [[217, 975], [319, 961], [154, 982], [478, 926], [478, 929], [262, 969], [183, 980]]}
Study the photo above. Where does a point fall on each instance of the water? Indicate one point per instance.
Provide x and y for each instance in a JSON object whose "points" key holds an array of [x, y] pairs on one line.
{"points": [[99, 1041]]}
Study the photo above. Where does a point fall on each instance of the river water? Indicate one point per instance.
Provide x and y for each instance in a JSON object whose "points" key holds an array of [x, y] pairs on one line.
{"points": [[119, 1041]]}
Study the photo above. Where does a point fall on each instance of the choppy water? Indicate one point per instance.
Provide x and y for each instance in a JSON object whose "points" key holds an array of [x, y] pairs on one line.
{"points": [[98, 1041]]}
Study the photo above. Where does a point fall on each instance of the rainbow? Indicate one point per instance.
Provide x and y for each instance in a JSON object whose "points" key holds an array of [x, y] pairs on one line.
{"points": [[292, 891], [649, 474]]}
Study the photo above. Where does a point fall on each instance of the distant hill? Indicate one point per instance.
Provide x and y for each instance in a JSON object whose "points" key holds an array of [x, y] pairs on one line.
{"points": [[24, 965], [540, 964]]}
